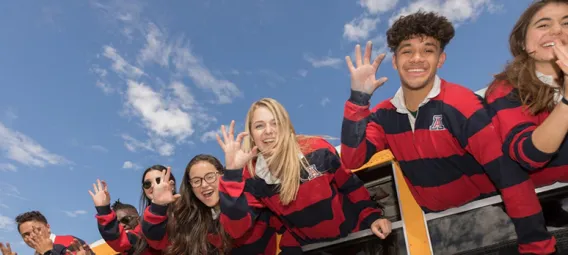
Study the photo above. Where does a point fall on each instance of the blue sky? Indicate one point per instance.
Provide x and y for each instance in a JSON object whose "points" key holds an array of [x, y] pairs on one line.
{"points": [[104, 89]]}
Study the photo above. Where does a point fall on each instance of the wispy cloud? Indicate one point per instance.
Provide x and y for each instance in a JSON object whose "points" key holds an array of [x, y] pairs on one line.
{"points": [[74, 214], [130, 165], [209, 136], [7, 167], [99, 148], [378, 6], [6, 223], [25, 150], [323, 61], [360, 28], [458, 11], [303, 72], [325, 101]]}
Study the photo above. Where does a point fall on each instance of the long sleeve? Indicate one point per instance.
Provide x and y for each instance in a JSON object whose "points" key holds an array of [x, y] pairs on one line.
{"points": [[239, 208], [154, 223], [112, 232], [516, 126], [361, 134], [261, 239], [472, 126]]}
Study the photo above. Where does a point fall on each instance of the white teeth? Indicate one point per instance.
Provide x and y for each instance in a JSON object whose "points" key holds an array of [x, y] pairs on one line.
{"points": [[416, 70], [268, 140], [549, 44]]}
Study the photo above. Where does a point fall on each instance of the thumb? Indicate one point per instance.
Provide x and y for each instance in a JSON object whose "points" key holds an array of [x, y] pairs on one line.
{"points": [[377, 232], [176, 197]]}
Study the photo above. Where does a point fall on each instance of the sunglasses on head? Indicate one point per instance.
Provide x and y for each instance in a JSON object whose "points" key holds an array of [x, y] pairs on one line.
{"points": [[148, 183]]}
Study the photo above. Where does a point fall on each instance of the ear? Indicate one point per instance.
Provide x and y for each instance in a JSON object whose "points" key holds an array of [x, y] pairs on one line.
{"points": [[441, 59], [393, 61]]}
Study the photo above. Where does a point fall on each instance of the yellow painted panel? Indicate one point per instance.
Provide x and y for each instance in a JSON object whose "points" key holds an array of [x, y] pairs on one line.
{"points": [[103, 249]]}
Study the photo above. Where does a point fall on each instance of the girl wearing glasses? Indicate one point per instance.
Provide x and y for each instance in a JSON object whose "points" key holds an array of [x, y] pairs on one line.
{"points": [[196, 228], [121, 237], [299, 178], [530, 99]]}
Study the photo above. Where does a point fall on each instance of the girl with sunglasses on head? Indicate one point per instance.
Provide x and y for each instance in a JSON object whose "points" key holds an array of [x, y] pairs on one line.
{"points": [[299, 178], [196, 228], [530, 99], [121, 236]]}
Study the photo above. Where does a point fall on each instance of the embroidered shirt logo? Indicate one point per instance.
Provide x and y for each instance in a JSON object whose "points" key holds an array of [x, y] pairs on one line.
{"points": [[312, 173], [437, 123]]}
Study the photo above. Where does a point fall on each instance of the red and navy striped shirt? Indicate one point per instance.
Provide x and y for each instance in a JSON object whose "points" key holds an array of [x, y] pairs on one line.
{"points": [[259, 240], [331, 201], [116, 236], [516, 125], [451, 157]]}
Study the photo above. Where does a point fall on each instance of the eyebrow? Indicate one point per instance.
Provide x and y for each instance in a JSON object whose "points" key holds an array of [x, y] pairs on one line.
{"points": [[547, 19]]}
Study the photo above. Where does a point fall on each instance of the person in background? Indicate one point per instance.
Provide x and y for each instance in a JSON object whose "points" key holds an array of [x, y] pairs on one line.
{"points": [[298, 178], [36, 233], [439, 132], [198, 207], [119, 225], [529, 99]]}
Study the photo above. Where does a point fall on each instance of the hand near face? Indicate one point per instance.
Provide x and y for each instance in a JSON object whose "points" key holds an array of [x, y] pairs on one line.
{"points": [[40, 241], [363, 73], [100, 194], [163, 191], [235, 156], [561, 54]]}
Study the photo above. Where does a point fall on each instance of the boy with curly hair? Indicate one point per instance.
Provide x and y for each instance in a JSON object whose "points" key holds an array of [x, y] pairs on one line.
{"points": [[440, 132]]}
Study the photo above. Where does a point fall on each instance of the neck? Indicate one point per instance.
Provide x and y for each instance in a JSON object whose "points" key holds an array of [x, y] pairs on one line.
{"points": [[413, 97], [217, 207], [547, 68]]}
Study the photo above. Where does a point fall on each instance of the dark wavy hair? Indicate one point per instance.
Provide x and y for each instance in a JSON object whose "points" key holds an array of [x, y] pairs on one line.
{"points": [[420, 24], [141, 244], [190, 211], [521, 71], [30, 216]]}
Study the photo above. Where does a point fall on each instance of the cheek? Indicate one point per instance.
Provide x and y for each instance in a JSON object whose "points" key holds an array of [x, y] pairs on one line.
{"points": [[256, 136], [532, 40]]}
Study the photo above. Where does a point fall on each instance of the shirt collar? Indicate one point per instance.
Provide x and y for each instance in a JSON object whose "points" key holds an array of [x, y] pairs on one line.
{"points": [[398, 99], [549, 80]]}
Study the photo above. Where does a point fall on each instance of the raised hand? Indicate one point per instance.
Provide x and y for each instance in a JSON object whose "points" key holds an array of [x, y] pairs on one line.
{"points": [[6, 249], [101, 197], [561, 53], [40, 241], [235, 156], [163, 190], [363, 74]]}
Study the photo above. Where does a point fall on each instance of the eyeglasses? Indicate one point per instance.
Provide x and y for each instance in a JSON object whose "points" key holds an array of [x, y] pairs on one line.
{"points": [[126, 220], [148, 183], [209, 178]]}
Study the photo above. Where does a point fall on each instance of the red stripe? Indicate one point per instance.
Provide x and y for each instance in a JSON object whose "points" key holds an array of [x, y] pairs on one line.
{"points": [[106, 219], [433, 144], [549, 176], [485, 145], [306, 195], [235, 227], [359, 195], [350, 158], [466, 103], [376, 135], [521, 200], [362, 216], [355, 112], [541, 247], [153, 218]]}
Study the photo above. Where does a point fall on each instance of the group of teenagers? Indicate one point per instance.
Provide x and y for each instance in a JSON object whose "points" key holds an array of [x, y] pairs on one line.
{"points": [[452, 145]]}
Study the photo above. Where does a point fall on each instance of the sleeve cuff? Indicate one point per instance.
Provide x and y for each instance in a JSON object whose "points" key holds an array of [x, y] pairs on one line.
{"points": [[359, 98], [233, 175], [103, 210], [159, 210], [535, 154]]}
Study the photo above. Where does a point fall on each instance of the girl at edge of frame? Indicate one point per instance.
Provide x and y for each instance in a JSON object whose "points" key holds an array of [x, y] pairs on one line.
{"points": [[529, 99], [299, 178], [195, 228]]}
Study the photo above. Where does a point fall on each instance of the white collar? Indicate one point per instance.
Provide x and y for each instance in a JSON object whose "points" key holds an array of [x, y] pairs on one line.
{"points": [[262, 171], [214, 213], [398, 99], [549, 80]]}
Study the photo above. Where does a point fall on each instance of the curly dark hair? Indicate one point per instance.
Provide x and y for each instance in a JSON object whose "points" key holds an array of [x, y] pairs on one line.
{"points": [[420, 24], [117, 205], [30, 216]]}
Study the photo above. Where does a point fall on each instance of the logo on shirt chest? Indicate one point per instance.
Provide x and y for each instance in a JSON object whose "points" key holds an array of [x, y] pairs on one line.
{"points": [[312, 172], [437, 123]]}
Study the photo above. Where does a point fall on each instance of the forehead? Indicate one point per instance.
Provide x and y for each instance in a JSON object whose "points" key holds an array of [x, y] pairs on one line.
{"points": [[201, 168], [553, 11], [28, 226], [152, 174], [419, 40], [262, 114]]}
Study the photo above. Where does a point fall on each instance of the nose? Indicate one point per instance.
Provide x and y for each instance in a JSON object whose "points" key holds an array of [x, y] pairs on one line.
{"points": [[416, 57], [269, 129], [556, 29]]}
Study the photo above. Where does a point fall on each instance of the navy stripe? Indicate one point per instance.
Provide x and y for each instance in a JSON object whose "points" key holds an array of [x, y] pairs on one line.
{"points": [[531, 229], [505, 173], [312, 215], [235, 209], [561, 157], [509, 101], [257, 247], [393, 122], [440, 171], [353, 133], [110, 231], [154, 232], [233, 175], [532, 152], [324, 160]]}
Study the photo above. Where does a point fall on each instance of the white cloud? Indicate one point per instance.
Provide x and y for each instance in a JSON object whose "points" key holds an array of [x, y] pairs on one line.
{"points": [[457, 11], [120, 65], [74, 214], [325, 101], [182, 93], [359, 28], [153, 144], [377, 6], [99, 148], [102, 82], [7, 167], [6, 223], [159, 117], [322, 62], [303, 72], [130, 165], [133, 144], [209, 136], [21, 148]]}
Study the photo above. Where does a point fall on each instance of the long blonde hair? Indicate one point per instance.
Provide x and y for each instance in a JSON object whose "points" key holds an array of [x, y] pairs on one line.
{"points": [[285, 163]]}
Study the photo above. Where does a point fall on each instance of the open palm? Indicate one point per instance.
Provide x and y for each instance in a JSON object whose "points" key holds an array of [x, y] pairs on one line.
{"points": [[100, 194], [235, 156], [163, 191], [363, 74]]}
